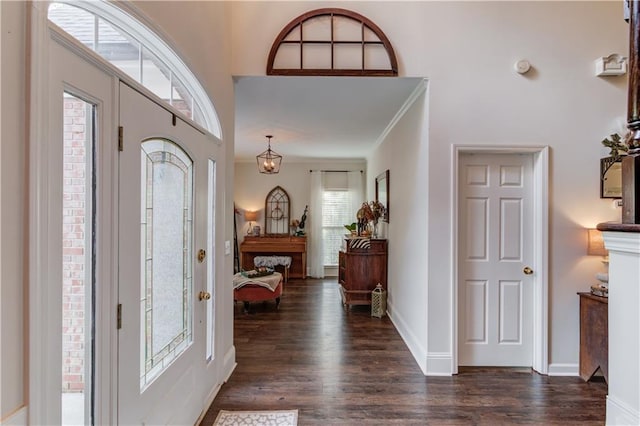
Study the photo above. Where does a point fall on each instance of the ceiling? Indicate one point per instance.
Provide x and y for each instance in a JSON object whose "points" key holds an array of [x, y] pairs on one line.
{"points": [[315, 117]]}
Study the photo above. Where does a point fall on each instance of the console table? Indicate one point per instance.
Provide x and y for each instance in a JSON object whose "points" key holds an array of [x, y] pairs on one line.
{"points": [[594, 335], [294, 247], [360, 269]]}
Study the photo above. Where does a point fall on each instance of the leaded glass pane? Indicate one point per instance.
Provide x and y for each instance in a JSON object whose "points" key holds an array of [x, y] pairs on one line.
{"points": [[166, 269]]}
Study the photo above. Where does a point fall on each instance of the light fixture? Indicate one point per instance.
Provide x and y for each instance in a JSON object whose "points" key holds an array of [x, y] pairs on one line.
{"points": [[595, 247], [250, 217], [269, 161]]}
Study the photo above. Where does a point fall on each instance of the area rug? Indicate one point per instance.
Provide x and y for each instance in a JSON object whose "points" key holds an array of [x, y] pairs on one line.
{"points": [[257, 418]]}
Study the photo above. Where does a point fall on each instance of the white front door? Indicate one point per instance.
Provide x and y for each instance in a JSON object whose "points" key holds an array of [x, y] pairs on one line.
{"points": [[495, 290], [166, 222]]}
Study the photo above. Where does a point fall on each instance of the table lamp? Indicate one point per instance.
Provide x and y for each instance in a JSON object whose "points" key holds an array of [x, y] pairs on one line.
{"points": [[250, 217], [596, 247]]}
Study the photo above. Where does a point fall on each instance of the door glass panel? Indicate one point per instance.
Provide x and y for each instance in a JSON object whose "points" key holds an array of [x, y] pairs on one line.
{"points": [[77, 266], [211, 220], [166, 263]]}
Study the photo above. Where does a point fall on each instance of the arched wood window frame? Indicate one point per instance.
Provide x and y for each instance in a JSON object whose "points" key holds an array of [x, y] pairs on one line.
{"points": [[277, 212], [334, 13]]}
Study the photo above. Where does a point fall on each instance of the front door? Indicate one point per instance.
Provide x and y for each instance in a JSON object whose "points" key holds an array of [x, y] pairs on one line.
{"points": [[495, 293], [166, 260]]}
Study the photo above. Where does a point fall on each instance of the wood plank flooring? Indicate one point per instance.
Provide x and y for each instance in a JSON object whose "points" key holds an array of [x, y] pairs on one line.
{"points": [[343, 367]]}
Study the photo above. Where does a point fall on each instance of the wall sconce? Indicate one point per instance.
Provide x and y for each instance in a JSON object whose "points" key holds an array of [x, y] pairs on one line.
{"points": [[611, 65], [250, 217], [595, 247]]}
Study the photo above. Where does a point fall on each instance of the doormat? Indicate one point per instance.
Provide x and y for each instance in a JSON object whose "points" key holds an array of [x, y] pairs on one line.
{"points": [[257, 418]]}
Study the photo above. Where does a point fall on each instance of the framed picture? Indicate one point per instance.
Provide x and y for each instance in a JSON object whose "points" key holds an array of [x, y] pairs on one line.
{"points": [[382, 193], [610, 177]]}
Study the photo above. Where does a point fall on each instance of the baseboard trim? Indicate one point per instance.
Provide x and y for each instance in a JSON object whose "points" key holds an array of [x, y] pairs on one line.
{"points": [[229, 362], [563, 370], [439, 364], [619, 413], [418, 352], [17, 418]]}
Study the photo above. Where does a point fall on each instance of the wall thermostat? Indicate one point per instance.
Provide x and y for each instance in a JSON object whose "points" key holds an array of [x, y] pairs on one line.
{"points": [[522, 66]]}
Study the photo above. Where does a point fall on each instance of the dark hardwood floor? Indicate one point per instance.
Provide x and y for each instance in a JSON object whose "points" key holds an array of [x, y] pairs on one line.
{"points": [[339, 367]]}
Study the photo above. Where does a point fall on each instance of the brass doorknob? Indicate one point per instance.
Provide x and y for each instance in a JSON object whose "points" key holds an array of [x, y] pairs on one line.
{"points": [[204, 295], [201, 255], [527, 270]]}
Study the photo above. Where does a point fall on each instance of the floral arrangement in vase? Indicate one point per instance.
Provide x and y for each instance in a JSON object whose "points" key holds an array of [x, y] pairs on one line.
{"points": [[369, 213]]}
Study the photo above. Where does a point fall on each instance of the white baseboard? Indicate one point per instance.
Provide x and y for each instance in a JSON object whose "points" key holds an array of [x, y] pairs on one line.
{"points": [[619, 413], [229, 363], [563, 370], [439, 364], [416, 349], [17, 418]]}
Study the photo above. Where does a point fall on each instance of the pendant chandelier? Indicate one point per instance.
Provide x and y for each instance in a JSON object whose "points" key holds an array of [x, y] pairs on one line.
{"points": [[269, 161]]}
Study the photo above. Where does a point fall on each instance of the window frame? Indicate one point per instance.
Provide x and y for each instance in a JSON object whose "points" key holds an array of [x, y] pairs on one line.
{"points": [[124, 18]]}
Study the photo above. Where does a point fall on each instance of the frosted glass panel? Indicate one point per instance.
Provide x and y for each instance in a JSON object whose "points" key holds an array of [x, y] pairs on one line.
{"points": [[166, 270]]}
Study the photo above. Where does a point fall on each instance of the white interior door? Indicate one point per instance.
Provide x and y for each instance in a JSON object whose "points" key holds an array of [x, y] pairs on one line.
{"points": [[495, 293], [166, 265]]}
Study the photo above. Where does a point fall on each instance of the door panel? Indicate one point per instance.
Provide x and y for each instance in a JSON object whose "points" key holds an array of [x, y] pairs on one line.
{"points": [[165, 219], [495, 234]]}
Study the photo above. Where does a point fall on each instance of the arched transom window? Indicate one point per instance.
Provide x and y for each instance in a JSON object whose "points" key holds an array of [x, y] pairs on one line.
{"points": [[136, 51], [334, 42]]}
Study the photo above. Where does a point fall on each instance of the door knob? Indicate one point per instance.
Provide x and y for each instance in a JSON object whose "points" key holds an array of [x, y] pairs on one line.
{"points": [[527, 270], [204, 295], [201, 255]]}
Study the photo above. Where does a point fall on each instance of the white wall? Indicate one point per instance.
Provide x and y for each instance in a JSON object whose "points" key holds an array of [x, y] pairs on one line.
{"points": [[405, 153], [13, 208], [467, 51]]}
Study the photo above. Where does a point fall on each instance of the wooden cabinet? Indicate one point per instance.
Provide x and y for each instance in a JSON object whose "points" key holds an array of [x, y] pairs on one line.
{"points": [[296, 247], [594, 335], [360, 270]]}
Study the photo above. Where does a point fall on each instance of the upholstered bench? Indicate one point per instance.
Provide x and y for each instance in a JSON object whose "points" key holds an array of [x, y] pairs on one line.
{"points": [[273, 261], [257, 289]]}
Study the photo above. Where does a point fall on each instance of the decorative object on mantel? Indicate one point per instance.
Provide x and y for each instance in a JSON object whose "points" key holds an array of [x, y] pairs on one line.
{"points": [[269, 161], [250, 217], [617, 144], [596, 247], [611, 65]]}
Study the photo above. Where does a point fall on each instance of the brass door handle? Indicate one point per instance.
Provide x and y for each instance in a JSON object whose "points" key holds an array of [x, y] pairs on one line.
{"points": [[527, 270], [201, 255], [204, 295]]}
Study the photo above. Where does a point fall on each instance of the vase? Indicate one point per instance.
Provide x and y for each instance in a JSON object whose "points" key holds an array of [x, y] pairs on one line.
{"points": [[374, 232]]}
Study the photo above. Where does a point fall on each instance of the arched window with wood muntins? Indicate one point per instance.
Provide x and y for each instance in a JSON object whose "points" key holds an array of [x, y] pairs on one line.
{"points": [[332, 42]]}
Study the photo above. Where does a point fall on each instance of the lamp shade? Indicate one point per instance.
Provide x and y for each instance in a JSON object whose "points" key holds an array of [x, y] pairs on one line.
{"points": [[250, 216], [595, 245]]}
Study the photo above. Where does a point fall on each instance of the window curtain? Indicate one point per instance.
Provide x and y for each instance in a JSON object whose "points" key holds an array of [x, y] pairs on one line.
{"points": [[355, 185], [315, 243]]}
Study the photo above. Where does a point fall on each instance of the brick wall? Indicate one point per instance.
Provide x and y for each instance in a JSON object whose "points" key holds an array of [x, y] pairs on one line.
{"points": [[73, 234]]}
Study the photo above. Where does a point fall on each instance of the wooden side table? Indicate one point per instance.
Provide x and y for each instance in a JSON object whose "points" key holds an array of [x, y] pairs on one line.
{"points": [[594, 335]]}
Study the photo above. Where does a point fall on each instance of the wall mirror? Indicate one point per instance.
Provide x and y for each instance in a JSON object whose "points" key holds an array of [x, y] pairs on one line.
{"points": [[382, 193], [611, 177]]}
